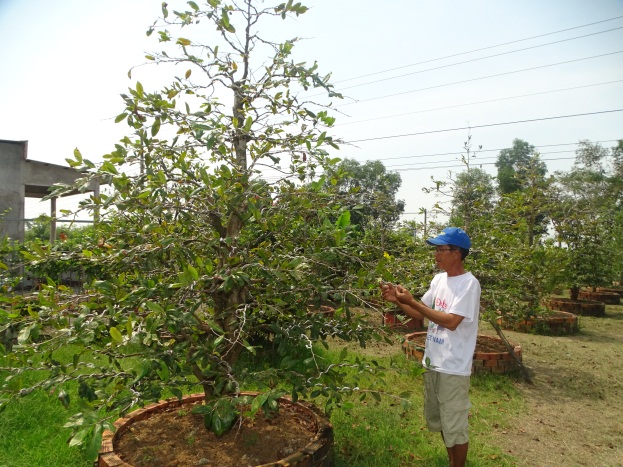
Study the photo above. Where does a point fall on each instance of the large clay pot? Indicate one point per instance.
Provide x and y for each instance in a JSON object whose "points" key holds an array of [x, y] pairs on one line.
{"points": [[615, 290], [609, 298], [560, 323], [490, 355], [578, 307], [317, 453]]}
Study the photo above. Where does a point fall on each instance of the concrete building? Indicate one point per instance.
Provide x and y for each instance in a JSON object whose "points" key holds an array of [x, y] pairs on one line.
{"points": [[22, 178]]}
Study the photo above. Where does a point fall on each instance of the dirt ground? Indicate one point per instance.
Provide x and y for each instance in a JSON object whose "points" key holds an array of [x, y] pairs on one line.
{"points": [[575, 404]]}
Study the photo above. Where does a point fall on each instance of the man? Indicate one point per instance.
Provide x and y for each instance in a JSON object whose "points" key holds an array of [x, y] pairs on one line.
{"points": [[451, 306]]}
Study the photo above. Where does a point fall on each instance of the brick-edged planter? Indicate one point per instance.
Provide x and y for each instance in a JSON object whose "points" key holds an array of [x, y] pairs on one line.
{"points": [[559, 323], [609, 298], [317, 453], [485, 361], [578, 307], [611, 290]]}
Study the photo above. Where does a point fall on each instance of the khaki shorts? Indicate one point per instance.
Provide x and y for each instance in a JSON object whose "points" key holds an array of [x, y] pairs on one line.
{"points": [[446, 406]]}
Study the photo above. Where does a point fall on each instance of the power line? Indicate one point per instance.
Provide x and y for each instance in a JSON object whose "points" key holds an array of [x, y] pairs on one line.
{"points": [[480, 78], [486, 125], [274, 178], [480, 49], [477, 162], [485, 163], [480, 102], [486, 150], [477, 59]]}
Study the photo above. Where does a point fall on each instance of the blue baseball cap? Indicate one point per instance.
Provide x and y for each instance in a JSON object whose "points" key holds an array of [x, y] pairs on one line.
{"points": [[452, 236]]}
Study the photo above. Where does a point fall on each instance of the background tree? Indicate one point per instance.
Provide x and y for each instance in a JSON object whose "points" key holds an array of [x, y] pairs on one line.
{"points": [[616, 188], [520, 168], [511, 164], [473, 196], [373, 188], [584, 216]]}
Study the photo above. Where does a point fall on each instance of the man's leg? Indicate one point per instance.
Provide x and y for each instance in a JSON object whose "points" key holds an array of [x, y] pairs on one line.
{"points": [[458, 455], [454, 412], [450, 452]]}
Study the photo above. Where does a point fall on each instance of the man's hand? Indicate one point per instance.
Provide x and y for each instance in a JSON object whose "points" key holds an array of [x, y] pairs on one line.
{"points": [[403, 295], [388, 291]]}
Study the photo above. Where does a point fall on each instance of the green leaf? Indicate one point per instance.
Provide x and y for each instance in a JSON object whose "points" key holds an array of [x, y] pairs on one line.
{"points": [[225, 22], [95, 442], [344, 220], [153, 306], [321, 138], [163, 372], [109, 168], [32, 313], [155, 127], [38, 249], [63, 397], [120, 117], [103, 286], [193, 272], [3, 266], [115, 334], [183, 41], [79, 437], [24, 334], [247, 124], [85, 391], [258, 402], [187, 75], [193, 5]]}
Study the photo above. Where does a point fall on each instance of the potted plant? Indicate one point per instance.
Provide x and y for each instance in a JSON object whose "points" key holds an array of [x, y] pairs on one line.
{"points": [[201, 263]]}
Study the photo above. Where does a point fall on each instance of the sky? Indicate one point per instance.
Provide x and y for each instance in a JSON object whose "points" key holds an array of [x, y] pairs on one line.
{"points": [[419, 78]]}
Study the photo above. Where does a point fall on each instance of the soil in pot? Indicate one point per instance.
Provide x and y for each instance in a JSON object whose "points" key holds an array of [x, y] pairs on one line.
{"points": [[173, 436]]}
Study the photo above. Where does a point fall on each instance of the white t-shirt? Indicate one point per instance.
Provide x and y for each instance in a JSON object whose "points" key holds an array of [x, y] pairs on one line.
{"points": [[448, 351]]}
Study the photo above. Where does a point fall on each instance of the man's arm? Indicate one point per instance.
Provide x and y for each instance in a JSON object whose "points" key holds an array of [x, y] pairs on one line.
{"points": [[415, 309]]}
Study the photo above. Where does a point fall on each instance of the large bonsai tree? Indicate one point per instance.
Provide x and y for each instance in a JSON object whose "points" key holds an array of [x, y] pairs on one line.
{"points": [[204, 259]]}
